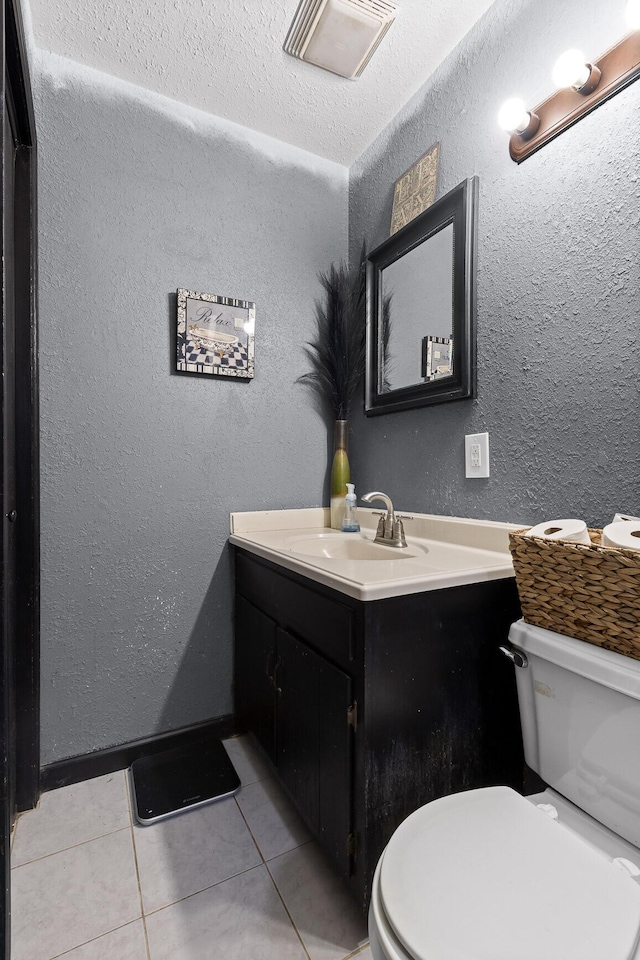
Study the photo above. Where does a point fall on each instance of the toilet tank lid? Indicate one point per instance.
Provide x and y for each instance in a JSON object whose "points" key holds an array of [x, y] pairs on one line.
{"points": [[485, 875], [606, 667]]}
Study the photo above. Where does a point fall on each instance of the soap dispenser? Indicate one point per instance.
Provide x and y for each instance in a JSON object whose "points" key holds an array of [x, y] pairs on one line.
{"points": [[350, 522]]}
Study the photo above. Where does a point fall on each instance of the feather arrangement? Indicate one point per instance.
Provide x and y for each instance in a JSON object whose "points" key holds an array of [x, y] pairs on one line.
{"points": [[387, 362], [337, 354]]}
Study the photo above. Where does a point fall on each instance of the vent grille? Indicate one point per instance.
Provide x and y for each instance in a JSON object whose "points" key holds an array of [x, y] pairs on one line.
{"points": [[324, 21], [306, 17], [373, 49]]}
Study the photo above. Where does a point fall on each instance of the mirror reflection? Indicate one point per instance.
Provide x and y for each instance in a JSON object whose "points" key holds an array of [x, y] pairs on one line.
{"points": [[418, 288]]}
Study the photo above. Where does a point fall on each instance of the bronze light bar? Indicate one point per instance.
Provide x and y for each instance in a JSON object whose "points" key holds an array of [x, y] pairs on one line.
{"points": [[618, 67]]}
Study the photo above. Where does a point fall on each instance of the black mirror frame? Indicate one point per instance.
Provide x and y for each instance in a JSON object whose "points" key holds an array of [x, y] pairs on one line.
{"points": [[458, 207]]}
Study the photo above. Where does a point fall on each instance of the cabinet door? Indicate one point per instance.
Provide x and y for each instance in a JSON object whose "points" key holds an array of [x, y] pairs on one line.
{"points": [[315, 743], [255, 654]]}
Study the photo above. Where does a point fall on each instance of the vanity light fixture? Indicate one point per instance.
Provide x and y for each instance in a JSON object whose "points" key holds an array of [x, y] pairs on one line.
{"points": [[515, 118], [583, 86], [572, 70]]}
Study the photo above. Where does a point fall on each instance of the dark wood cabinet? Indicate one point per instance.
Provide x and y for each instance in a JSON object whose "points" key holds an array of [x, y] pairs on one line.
{"points": [[369, 710], [255, 670], [314, 752]]}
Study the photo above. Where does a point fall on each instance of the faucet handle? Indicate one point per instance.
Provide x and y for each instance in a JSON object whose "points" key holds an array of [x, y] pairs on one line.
{"points": [[398, 533]]}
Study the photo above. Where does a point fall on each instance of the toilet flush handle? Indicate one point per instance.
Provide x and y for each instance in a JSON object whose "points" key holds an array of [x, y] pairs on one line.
{"points": [[517, 657]]}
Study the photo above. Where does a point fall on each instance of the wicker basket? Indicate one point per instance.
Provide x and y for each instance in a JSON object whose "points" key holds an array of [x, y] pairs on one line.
{"points": [[588, 592]]}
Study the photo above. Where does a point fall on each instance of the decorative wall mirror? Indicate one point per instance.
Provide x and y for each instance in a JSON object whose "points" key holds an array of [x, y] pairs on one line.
{"points": [[421, 337]]}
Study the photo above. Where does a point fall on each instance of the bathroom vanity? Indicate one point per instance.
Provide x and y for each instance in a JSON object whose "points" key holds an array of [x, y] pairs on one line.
{"points": [[374, 683]]}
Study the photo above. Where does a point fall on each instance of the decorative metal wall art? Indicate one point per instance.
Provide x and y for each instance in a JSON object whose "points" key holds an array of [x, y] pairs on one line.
{"points": [[415, 190], [215, 335]]}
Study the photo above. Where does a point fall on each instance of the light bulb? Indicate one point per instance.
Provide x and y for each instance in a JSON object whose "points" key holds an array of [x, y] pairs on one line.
{"points": [[514, 116], [571, 70], [632, 14]]}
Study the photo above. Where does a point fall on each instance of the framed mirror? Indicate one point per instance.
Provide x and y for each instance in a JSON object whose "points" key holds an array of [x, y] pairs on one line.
{"points": [[421, 339]]}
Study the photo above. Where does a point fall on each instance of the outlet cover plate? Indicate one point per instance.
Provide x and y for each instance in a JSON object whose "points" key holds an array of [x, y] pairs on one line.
{"points": [[476, 455]]}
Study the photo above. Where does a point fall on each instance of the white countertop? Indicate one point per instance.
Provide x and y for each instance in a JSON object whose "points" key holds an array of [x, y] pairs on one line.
{"points": [[441, 551]]}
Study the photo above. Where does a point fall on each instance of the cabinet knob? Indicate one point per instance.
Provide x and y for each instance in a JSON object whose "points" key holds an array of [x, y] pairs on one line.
{"points": [[12, 516]]}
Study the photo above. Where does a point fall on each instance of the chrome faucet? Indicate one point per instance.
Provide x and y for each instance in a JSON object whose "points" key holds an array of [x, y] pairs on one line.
{"points": [[390, 529]]}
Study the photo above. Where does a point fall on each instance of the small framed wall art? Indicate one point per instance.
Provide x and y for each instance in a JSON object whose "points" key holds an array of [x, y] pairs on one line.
{"points": [[215, 335], [415, 190], [437, 357]]}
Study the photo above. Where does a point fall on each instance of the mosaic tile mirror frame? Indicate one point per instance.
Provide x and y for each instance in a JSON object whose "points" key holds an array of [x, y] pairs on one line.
{"points": [[215, 335]]}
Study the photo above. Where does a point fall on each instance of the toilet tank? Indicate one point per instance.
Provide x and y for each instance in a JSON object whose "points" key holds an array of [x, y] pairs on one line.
{"points": [[580, 715]]}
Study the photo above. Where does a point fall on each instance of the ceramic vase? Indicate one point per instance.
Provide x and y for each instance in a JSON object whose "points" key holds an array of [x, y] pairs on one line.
{"points": [[340, 473]]}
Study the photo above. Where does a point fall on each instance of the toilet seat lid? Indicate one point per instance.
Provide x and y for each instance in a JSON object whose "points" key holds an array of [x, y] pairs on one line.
{"points": [[485, 875]]}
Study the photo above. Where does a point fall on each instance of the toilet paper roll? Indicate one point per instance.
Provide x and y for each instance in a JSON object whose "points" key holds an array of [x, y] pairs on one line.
{"points": [[625, 516], [574, 530], [625, 534]]}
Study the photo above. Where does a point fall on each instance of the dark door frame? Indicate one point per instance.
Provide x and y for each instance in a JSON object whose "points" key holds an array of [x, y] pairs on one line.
{"points": [[20, 651], [27, 646]]}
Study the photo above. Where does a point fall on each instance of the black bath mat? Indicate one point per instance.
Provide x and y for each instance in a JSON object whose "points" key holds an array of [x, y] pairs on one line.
{"points": [[180, 779]]}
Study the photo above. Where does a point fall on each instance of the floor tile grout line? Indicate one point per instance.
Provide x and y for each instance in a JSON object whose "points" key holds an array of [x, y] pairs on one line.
{"points": [[348, 956], [151, 913], [291, 849], [250, 831], [137, 867], [127, 790], [266, 860], [356, 953], [261, 863], [73, 846], [85, 943], [287, 911], [283, 852], [353, 955], [266, 864], [251, 783]]}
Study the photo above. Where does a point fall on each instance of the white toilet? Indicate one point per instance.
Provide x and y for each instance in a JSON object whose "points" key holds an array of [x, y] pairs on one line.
{"points": [[491, 875]]}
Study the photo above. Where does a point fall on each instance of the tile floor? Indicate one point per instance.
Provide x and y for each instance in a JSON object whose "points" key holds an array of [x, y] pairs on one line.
{"points": [[240, 879]]}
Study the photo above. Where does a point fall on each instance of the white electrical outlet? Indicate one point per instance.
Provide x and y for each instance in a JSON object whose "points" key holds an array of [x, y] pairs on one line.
{"points": [[476, 454]]}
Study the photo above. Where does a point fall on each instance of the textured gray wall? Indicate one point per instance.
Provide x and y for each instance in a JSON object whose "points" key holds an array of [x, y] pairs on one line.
{"points": [[141, 468], [558, 290]]}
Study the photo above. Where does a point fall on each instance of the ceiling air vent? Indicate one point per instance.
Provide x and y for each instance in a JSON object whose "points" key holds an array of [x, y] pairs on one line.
{"points": [[339, 35]]}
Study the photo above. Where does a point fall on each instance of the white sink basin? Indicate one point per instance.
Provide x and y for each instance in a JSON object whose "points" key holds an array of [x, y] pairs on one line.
{"points": [[441, 552], [351, 546]]}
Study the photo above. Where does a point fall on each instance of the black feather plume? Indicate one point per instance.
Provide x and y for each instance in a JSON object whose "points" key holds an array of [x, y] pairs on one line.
{"points": [[387, 360], [337, 353]]}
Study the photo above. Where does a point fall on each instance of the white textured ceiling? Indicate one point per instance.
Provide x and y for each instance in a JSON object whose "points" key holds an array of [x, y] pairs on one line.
{"points": [[226, 57]]}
